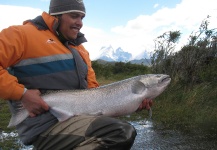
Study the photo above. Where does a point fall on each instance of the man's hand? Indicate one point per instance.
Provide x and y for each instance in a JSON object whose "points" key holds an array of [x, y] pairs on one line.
{"points": [[32, 101], [146, 104]]}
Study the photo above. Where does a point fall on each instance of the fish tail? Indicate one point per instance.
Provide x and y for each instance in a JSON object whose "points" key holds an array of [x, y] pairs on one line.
{"points": [[18, 118]]}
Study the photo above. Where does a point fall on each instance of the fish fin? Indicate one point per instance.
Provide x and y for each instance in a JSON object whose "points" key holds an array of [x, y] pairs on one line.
{"points": [[19, 113], [60, 114], [138, 87], [18, 118]]}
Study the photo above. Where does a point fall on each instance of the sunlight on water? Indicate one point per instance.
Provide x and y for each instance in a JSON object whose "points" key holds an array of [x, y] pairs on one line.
{"points": [[7, 136]]}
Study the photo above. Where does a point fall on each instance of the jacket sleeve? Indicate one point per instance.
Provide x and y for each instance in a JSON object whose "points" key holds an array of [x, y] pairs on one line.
{"points": [[11, 49], [91, 76]]}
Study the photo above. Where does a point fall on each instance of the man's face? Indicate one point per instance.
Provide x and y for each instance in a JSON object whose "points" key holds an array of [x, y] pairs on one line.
{"points": [[70, 25]]}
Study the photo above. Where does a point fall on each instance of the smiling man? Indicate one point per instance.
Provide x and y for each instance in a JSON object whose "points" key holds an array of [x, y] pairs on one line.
{"points": [[46, 53]]}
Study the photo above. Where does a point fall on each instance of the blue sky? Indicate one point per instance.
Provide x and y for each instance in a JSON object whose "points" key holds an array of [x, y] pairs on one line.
{"points": [[129, 24], [105, 13], [109, 13]]}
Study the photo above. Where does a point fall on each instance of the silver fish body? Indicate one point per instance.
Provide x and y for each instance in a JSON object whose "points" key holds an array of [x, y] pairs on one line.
{"points": [[115, 99]]}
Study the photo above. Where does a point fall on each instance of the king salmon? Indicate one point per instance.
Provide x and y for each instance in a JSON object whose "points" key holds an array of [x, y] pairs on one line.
{"points": [[115, 99]]}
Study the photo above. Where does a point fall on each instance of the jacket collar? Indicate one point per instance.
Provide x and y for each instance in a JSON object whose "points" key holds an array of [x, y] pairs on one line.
{"points": [[48, 22]]}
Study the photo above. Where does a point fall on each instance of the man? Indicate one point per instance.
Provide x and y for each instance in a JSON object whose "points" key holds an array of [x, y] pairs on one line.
{"points": [[46, 53]]}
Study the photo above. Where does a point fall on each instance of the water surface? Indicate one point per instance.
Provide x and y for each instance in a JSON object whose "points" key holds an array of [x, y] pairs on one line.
{"points": [[150, 137]]}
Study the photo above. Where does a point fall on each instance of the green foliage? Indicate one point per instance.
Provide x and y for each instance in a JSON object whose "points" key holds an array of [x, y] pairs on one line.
{"points": [[194, 63], [190, 101], [7, 143], [4, 116], [119, 70], [165, 44]]}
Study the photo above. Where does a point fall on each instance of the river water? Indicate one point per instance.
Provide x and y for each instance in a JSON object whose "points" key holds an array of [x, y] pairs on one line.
{"points": [[151, 138]]}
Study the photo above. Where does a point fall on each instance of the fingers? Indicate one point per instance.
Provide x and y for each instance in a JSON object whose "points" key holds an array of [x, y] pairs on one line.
{"points": [[42, 108], [37, 92], [33, 102], [146, 104], [140, 107], [32, 114], [37, 111], [45, 107]]}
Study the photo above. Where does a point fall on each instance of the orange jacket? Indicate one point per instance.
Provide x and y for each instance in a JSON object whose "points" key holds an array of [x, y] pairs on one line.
{"points": [[23, 42]]}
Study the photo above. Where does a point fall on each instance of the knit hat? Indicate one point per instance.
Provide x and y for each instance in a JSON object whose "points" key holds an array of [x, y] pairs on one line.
{"points": [[66, 6]]}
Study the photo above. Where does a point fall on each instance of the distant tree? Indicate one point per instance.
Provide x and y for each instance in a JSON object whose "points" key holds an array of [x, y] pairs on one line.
{"points": [[119, 69], [164, 48], [193, 61]]}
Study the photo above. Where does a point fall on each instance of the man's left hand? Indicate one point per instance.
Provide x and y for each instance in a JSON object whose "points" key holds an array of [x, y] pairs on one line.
{"points": [[146, 104]]}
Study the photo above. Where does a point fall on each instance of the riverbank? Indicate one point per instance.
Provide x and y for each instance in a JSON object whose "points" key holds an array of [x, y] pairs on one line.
{"points": [[190, 109]]}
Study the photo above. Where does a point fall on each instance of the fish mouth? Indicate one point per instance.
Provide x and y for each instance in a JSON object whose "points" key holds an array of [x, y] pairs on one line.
{"points": [[166, 79]]}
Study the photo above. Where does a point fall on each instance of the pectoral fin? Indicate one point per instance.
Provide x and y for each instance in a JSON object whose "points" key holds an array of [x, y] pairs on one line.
{"points": [[60, 114], [138, 87]]}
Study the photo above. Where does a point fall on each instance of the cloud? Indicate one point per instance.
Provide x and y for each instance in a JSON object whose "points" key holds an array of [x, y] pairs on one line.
{"points": [[139, 33], [15, 15], [96, 39], [156, 5]]}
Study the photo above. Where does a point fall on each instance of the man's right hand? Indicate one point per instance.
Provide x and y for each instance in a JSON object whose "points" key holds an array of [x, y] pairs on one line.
{"points": [[33, 102]]}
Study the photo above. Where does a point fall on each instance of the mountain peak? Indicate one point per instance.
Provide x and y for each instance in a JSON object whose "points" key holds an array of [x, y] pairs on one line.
{"points": [[108, 53]]}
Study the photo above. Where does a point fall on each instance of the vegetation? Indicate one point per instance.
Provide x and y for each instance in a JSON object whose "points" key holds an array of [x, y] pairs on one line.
{"points": [[190, 102], [118, 70]]}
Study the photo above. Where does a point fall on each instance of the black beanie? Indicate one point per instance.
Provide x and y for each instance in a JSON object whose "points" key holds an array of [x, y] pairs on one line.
{"points": [[66, 6]]}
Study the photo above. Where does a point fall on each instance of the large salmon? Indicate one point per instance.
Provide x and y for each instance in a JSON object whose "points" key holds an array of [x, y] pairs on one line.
{"points": [[115, 99]]}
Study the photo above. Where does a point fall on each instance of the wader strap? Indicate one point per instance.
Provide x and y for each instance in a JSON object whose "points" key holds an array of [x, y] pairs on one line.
{"points": [[80, 66]]}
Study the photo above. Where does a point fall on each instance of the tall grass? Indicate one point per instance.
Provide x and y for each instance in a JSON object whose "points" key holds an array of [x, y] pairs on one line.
{"points": [[189, 109]]}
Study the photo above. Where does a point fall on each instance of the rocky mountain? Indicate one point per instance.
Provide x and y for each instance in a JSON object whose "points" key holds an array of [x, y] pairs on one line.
{"points": [[109, 54]]}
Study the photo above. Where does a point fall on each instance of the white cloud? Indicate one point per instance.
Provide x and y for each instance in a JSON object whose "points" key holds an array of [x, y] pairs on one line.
{"points": [[96, 39], [156, 5], [15, 15]]}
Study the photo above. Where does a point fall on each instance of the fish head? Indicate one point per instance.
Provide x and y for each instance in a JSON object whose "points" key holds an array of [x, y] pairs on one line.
{"points": [[155, 84]]}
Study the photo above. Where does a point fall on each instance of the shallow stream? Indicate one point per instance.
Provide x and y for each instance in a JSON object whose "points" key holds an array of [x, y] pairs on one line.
{"points": [[151, 138]]}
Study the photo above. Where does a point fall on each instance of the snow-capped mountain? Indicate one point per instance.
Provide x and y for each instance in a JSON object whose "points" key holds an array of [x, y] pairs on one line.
{"points": [[111, 54], [142, 55], [108, 53]]}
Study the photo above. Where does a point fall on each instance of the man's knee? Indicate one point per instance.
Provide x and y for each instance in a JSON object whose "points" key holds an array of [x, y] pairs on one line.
{"points": [[114, 133]]}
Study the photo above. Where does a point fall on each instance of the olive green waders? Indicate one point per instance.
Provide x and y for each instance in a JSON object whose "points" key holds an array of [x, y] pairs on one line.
{"points": [[87, 133]]}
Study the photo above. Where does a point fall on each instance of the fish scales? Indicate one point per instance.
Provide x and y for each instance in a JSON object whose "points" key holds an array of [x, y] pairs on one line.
{"points": [[115, 99]]}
